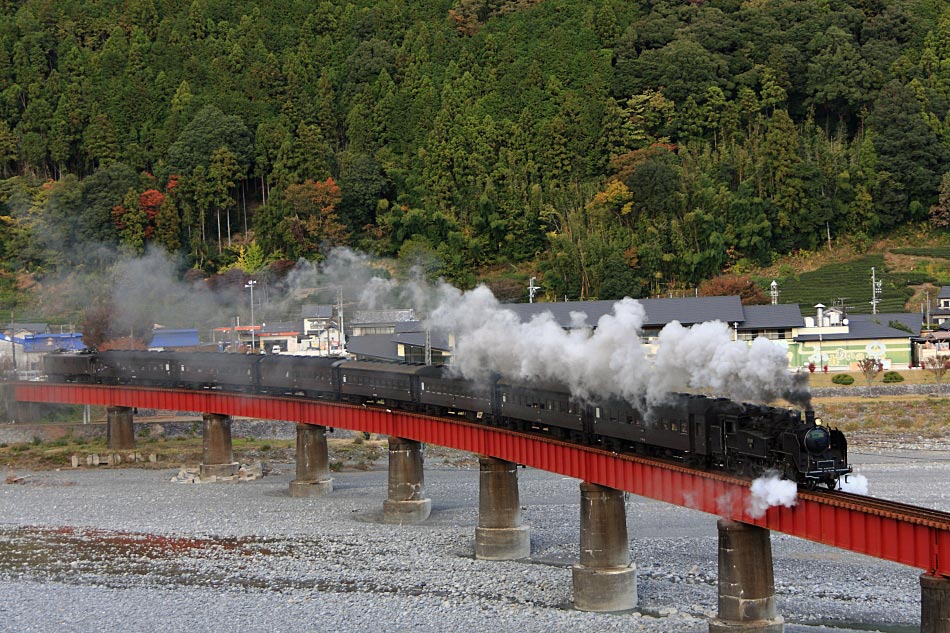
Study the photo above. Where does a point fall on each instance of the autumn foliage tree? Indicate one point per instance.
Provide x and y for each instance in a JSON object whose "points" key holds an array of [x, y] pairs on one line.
{"points": [[870, 367], [310, 219], [727, 285], [150, 201], [95, 324], [939, 366]]}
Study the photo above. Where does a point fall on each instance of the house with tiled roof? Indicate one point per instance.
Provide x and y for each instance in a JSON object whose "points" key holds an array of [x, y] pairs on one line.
{"points": [[941, 314], [829, 338], [407, 343], [842, 341]]}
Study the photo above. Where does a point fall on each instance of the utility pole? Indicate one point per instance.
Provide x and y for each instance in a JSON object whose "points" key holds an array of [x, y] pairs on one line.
{"points": [[13, 340], [428, 347], [250, 284], [339, 299], [532, 289], [875, 291], [927, 320]]}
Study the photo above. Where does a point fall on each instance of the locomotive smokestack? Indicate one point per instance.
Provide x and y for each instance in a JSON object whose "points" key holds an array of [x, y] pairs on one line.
{"points": [[809, 417]]}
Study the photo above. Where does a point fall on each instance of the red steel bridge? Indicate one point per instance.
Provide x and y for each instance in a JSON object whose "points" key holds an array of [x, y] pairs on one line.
{"points": [[896, 532]]}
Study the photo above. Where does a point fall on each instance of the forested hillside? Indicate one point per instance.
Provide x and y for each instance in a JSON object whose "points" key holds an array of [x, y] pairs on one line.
{"points": [[622, 146]]}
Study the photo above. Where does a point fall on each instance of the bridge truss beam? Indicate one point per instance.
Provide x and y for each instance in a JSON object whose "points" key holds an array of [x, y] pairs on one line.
{"points": [[837, 520]]}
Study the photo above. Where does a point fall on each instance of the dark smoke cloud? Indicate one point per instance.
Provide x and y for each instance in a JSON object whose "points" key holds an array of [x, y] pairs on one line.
{"points": [[608, 359]]}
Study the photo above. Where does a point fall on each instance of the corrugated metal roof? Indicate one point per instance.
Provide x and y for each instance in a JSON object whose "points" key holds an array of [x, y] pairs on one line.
{"points": [[165, 338], [380, 346], [913, 321], [766, 317], [409, 326], [944, 292], [659, 312], [33, 328], [279, 327], [858, 329], [418, 339], [48, 342], [383, 316], [316, 311]]}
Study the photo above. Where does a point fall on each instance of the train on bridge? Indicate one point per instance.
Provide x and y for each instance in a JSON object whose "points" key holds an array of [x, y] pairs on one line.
{"points": [[696, 430]]}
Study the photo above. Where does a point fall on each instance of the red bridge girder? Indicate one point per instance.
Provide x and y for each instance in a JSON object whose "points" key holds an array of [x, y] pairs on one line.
{"points": [[843, 523]]}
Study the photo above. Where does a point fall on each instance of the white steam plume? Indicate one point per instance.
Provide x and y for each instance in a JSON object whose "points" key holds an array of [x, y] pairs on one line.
{"points": [[855, 484], [608, 360], [490, 338], [769, 491]]}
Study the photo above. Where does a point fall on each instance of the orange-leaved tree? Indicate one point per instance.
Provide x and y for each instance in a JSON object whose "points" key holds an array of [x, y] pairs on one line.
{"points": [[741, 285], [310, 219]]}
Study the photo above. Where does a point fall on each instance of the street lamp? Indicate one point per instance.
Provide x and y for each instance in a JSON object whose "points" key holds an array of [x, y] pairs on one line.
{"points": [[250, 284]]}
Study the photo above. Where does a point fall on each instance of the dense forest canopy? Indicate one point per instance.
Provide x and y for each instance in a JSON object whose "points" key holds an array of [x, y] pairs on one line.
{"points": [[620, 146]]}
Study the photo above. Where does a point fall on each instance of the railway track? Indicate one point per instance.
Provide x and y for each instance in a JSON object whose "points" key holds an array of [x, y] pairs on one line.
{"points": [[902, 512]]}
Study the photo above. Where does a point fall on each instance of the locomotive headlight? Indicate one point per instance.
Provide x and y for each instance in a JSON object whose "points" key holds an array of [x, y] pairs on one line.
{"points": [[817, 440], [818, 422]]}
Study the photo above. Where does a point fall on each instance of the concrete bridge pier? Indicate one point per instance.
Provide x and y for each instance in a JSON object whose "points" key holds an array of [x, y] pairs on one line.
{"points": [[500, 535], [934, 604], [407, 502], [120, 432], [313, 463], [217, 458], [746, 583], [605, 579]]}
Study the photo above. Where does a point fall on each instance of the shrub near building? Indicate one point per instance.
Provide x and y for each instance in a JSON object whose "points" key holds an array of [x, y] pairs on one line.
{"points": [[893, 376]]}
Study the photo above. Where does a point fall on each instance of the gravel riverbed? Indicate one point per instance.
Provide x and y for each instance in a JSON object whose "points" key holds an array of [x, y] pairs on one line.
{"points": [[126, 549]]}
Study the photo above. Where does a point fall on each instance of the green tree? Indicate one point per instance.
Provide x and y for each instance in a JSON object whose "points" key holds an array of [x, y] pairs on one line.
{"points": [[222, 174], [909, 151], [168, 226], [100, 142], [131, 222], [209, 130], [103, 190]]}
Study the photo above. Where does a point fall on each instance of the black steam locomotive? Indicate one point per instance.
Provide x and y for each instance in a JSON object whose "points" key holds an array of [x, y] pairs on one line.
{"points": [[703, 432]]}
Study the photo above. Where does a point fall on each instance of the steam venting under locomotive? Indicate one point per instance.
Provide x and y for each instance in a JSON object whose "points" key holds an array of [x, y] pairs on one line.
{"points": [[696, 430]]}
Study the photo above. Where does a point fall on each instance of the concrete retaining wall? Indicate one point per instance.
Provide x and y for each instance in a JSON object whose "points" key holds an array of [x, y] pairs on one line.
{"points": [[859, 388]]}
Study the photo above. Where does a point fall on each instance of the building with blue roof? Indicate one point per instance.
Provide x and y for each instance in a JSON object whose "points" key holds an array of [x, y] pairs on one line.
{"points": [[164, 338]]}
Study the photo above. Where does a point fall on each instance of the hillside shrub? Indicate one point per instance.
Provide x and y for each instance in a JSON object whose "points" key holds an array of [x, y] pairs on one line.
{"points": [[938, 252], [893, 376], [843, 379], [850, 279]]}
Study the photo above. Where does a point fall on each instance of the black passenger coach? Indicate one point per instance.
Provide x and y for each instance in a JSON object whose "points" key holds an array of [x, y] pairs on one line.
{"points": [[699, 431]]}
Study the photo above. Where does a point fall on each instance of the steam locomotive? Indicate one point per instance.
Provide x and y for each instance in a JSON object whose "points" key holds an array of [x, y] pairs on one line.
{"points": [[699, 431]]}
